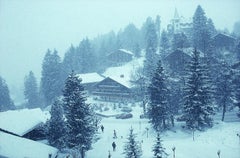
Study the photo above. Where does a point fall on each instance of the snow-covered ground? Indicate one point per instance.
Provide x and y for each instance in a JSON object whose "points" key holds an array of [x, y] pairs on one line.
{"points": [[223, 137], [17, 147]]}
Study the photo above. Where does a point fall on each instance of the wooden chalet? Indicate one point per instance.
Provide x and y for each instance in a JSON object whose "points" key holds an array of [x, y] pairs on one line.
{"points": [[112, 91], [90, 79], [177, 61], [119, 57], [224, 42]]}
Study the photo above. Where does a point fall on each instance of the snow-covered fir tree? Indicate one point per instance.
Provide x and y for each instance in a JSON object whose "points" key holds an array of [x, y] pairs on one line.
{"points": [[129, 38], [150, 62], [70, 61], [31, 91], [51, 80], [132, 148], [56, 126], [6, 102], [79, 115], [164, 41], [224, 88], [85, 57], [158, 110], [200, 33], [236, 90], [158, 149], [197, 108], [211, 27]]}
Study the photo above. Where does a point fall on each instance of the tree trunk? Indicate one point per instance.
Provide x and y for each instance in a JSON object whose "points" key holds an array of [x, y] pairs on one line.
{"points": [[224, 111], [172, 120]]}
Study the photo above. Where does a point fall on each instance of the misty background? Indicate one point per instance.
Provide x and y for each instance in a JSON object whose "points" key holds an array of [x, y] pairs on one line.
{"points": [[28, 28]]}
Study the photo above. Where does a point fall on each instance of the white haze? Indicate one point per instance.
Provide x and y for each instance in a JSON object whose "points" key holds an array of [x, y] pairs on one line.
{"points": [[28, 28]]}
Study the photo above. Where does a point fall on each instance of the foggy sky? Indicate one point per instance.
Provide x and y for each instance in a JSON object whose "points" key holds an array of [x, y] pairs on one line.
{"points": [[28, 28]]}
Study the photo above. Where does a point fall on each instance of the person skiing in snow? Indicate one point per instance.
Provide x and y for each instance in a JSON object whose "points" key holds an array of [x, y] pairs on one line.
{"points": [[102, 128], [114, 146], [114, 134]]}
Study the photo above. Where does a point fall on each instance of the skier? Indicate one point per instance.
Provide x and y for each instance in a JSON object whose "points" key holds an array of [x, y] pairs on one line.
{"points": [[102, 128], [114, 146], [114, 134]]}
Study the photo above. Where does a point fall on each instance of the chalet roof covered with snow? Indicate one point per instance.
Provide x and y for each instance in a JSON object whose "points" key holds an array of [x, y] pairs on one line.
{"points": [[223, 35], [90, 77], [122, 74], [22, 121], [17, 147]]}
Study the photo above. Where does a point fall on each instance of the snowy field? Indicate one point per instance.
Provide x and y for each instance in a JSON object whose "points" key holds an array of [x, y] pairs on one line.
{"points": [[206, 145]]}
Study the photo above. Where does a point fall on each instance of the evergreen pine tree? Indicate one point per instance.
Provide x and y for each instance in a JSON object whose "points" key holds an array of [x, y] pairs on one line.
{"points": [[79, 115], [158, 25], [224, 88], [69, 61], [238, 51], [197, 108], [158, 149], [211, 27], [201, 34], [129, 37], [132, 148], [151, 50], [56, 126], [144, 30], [164, 41], [85, 57], [158, 107], [51, 80], [6, 102], [236, 90], [31, 91]]}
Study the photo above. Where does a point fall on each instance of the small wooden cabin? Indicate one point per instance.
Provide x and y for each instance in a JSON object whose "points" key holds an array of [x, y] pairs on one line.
{"points": [[224, 42], [177, 61], [119, 57]]}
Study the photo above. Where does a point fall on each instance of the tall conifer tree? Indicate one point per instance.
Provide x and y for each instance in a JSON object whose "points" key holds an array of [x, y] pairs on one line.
{"points": [[197, 108], [6, 102], [79, 115], [31, 91], [151, 49], [57, 129], [51, 80], [201, 34], [159, 105]]}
